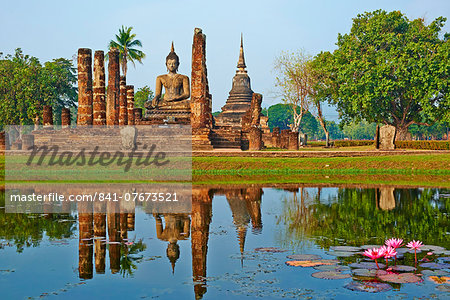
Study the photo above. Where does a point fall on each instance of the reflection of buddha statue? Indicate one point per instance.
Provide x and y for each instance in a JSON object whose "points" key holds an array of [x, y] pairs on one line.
{"points": [[177, 228], [176, 86]]}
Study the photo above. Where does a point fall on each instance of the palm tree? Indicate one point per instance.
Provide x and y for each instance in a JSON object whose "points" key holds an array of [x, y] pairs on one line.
{"points": [[125, 42]]}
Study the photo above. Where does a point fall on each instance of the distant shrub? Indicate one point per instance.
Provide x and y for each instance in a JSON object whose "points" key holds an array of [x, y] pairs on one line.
{"points": [[429, 145], [353, 143]]}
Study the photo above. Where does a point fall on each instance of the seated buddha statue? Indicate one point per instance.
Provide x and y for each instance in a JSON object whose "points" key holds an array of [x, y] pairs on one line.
{"points": [[176, 86]]}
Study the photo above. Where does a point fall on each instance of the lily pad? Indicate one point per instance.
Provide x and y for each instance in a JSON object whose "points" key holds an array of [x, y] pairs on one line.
{"points": [[368, 286], [330, 275], [368, 272], [336, 268], [433, 248], [341, 253], [432, 265], [401, 250], [270, 249], [367, 265], [310, 263], [439, 280], [444, 259], [304, 257], [402, 268], [435, 273], [400, 278], [370, 246], [345, 248], [443, 288]]}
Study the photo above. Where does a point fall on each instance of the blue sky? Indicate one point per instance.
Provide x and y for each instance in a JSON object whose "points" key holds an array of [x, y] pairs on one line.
{"points": [[52, 29]]}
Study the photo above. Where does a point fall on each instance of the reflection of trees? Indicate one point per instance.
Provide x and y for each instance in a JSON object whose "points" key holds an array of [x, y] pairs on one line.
{"points": [[129, 257], [25, 230], [355, 215], [298, 215]]}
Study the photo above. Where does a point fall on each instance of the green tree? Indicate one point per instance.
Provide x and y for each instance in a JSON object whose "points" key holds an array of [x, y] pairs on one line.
{"points": [[360, 131], [26, 86], [143, 95], [390, 70], [294, 81], [125, 41]]}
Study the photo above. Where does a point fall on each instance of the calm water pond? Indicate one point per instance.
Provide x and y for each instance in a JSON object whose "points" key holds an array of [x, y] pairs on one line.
{"points": [[233, 245]]}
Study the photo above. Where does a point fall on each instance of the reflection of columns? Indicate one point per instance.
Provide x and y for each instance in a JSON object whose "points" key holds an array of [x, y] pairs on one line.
{"points": [[253, 200], [100, 234], [387, 199], [201, 218], [114, 236], [85, 244]]}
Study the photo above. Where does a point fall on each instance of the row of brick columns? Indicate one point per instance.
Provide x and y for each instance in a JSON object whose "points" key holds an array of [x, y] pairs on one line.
{"points": [[95, 107], [286, 139]]}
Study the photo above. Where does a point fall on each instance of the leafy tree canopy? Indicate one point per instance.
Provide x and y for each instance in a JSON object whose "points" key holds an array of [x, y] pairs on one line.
{"points": [[142, 95], [26, 86], [389, 70]]}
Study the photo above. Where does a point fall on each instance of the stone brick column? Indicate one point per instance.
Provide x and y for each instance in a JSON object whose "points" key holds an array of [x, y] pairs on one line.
{"points": [[47, 116], [276, 138], [201, 111], [112, 96], [137, 115], [284, 138], [65, 117], [255, 109], [293, 141], [85, 95], [99, 89], [123, 116], [130, 104], [255, 139]]}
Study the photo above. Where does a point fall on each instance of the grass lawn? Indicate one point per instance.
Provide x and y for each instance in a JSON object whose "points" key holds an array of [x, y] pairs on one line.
{"points": [[408, 170]]}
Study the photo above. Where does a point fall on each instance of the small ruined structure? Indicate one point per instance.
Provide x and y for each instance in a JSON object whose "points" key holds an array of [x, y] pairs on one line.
{"points": [[387, 137]]}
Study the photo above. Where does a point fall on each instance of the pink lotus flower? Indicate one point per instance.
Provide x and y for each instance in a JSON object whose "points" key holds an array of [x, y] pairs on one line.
{"points": [[414, 245], [388, 252], [374, 254], [394, 243]]}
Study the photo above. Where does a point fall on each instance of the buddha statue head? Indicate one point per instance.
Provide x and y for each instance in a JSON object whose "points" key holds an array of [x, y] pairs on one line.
{"points": [[172, 61]]}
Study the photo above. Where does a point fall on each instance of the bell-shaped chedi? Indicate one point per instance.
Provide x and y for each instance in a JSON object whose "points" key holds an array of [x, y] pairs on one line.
{"points": [[238, 102]]}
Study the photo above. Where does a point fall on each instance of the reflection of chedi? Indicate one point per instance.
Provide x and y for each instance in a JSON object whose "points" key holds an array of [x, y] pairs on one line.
{"points": [[176, 86], [238, 102]]}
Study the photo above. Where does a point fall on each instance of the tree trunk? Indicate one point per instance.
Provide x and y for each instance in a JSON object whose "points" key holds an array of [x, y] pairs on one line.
{"points": [[402, 133]]}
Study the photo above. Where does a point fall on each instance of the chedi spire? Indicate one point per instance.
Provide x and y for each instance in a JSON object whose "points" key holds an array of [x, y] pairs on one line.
{"points": [[241, 62]]}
